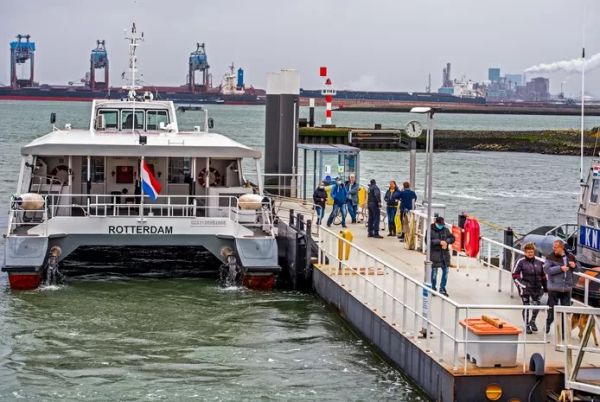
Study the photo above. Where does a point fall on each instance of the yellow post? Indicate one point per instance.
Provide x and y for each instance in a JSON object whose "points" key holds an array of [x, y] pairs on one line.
{"points": [[344, 246]]}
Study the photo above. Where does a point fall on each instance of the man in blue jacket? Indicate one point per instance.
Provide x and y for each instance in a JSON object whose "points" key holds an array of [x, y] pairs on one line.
{"points": [[339, 195], [407, 202]]}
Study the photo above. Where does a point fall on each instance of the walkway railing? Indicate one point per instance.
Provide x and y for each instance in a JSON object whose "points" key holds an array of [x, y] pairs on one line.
{"points": [[171, 206], [498, 259], [406, 303], [575, 353]]}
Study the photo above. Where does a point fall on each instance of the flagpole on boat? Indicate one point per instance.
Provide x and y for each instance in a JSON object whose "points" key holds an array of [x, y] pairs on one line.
{"points": [[582, 119], [141, 190], [581, 182]]}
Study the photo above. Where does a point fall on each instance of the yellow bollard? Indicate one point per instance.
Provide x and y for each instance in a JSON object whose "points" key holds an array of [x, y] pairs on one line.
{"points": [[344, 246]]}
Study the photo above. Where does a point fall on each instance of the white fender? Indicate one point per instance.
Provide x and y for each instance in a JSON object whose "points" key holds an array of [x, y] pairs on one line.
{"points": [[250, 201], [30, 201]]}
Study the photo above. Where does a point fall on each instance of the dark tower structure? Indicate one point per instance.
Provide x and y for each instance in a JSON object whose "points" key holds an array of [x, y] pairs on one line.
{"points": [[98, 60], [198, 62], [21, 51]]}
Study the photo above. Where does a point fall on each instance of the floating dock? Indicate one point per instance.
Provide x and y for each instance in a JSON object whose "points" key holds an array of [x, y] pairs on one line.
{"points": [[377, 286]]}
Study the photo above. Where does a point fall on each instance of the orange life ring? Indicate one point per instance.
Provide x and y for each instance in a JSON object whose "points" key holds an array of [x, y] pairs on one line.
{"points": [[214, 177], [471, 237]]}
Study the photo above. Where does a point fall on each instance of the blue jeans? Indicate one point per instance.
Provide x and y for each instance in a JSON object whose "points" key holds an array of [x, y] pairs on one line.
{"points": [[334, 212], [320, 213], [434, 271], [351, 210], [391, 215]]}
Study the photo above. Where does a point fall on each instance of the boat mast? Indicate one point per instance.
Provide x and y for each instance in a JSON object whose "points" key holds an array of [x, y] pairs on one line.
{"points": [[581, 182], [133, 44]]}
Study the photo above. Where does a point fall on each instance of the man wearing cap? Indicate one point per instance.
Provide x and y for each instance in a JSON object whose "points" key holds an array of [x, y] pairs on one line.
{"points": [[441, 238], [374, 205]]}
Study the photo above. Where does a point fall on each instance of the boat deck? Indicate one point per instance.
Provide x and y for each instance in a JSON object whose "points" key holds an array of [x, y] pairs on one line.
{"points": [[472, 286]]}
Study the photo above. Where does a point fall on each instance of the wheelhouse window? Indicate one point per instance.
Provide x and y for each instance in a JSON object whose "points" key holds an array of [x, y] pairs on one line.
{"points": [[96, 170], [155, 117], [180, 170], [130, 121], [111, 118], [595, 191]]}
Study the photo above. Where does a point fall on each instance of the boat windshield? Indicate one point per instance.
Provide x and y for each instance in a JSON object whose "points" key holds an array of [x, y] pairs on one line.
{"points": [[124, 119]]}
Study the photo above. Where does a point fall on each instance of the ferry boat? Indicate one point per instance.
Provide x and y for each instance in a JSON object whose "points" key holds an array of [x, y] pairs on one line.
{"points": [[132, 178]]}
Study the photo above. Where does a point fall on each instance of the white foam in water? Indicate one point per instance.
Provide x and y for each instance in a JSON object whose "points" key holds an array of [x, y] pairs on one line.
{"points": [[45, 288]]}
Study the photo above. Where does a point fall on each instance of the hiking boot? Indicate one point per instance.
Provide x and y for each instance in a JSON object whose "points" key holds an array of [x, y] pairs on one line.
{"points": [[534, 327], [528, 329]]}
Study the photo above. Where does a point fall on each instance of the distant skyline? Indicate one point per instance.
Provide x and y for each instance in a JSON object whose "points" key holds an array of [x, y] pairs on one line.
{"points": [[378, 45]]}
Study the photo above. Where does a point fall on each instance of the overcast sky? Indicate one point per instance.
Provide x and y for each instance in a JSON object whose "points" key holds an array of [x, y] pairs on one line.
{"points": [[376, 44]]}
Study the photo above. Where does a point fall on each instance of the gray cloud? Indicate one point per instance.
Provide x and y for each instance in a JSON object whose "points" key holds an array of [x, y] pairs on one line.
{"points": [[394, 44]]}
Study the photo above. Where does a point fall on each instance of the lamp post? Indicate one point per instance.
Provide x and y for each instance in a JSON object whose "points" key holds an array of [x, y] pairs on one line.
{"points": [[428, 187]]}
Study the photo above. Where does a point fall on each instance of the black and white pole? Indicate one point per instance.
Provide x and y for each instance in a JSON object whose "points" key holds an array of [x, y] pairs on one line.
{"points": [[311, 112]]}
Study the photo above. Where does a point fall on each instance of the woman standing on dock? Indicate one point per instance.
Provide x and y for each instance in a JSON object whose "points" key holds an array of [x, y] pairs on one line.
{"points": [[530, 279], [391, 197]]}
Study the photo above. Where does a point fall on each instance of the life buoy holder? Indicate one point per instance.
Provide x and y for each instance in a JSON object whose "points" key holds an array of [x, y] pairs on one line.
{"points": [[214, 177], [471, 237]]}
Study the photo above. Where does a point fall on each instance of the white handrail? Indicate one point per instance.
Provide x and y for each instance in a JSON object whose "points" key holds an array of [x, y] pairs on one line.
{"points": [[381, 296]]}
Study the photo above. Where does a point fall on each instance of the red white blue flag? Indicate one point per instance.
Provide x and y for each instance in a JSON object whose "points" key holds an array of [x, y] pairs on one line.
{"points": [[150, 185]]}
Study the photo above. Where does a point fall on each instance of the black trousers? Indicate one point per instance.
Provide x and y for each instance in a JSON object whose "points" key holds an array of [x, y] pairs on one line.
{"points": [[554, 298], [531, 299], [373, 222]]}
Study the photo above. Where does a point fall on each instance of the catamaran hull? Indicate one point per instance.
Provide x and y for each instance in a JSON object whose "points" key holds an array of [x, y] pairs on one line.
{"points": [[25, 257]]}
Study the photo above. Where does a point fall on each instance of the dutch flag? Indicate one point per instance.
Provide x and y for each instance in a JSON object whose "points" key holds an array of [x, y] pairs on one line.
{"points": [[150, 185]]}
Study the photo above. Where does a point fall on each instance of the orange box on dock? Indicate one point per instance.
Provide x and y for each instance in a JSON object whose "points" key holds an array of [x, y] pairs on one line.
{"points": [[481, 348]]}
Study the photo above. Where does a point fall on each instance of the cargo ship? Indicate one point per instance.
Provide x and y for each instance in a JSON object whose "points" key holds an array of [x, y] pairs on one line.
{"points": [[96, 84]]}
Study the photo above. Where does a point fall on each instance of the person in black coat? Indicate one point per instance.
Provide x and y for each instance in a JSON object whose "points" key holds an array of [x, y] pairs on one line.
{"points": [[319, 200], [531, 282], [374, 205], [441, 238]]}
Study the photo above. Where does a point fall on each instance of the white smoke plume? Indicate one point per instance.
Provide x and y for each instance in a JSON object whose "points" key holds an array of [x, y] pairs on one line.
{"points": [[568, 66]]}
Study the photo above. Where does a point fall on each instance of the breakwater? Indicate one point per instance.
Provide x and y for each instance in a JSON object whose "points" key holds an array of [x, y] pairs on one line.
{"points": [[523, 108], [556, 142]]}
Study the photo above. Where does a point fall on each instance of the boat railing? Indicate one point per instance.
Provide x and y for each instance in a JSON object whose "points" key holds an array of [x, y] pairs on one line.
{"points": [[498, 259], [20, 220], [171, 206], [578, 353], [407, 304], [563, 231], [286, 185]]}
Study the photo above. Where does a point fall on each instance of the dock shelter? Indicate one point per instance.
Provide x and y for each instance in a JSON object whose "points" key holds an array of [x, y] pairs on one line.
{"points": [[348, 161]]}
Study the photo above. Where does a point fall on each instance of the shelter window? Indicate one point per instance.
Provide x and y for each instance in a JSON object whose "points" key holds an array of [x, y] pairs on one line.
{"points": [[96, 171], [595, 191], [111, 118], [155, 117], [180, 170], [129, 119]]}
